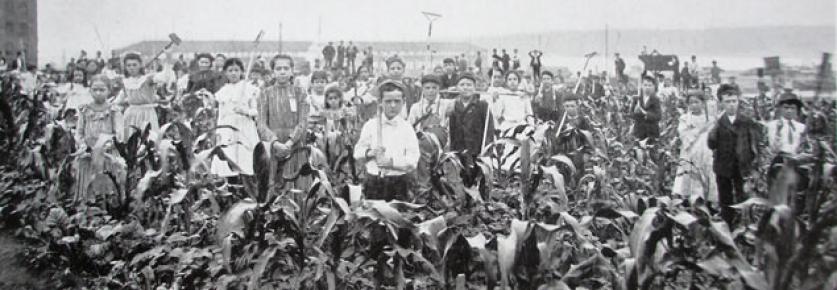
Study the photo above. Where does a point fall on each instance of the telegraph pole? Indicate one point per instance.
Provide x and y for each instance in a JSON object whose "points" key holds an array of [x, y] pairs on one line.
{"points": [[430, 18], [280, 37]]}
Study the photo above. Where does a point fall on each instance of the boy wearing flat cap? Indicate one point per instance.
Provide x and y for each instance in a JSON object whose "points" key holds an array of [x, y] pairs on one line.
{"points": [[785, 134], [471, 124], [429, 117]]}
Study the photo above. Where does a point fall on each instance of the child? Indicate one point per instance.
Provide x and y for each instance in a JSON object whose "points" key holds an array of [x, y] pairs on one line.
{"points": [[138, 97], [515, 106], [96, 120]]}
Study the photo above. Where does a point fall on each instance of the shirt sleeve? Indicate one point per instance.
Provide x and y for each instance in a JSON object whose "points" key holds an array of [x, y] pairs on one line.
{"points": [[79, 136], [414, 114], [407, 161], [118, 124], [364, 143]]}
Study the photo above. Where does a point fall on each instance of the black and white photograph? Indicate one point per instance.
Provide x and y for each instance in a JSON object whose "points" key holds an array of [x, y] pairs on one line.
{"points": [[418, 144]]}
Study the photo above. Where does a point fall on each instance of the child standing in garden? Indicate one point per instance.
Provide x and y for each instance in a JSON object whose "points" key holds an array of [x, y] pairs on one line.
{"points": [[97, 123]]}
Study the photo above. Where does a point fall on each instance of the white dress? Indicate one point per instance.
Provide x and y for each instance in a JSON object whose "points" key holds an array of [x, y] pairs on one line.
{"points": [[77, 95], [242, 96], [694, 173]]}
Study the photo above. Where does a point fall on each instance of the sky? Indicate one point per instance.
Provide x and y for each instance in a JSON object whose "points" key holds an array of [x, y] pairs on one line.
{"points": [[67, 26]]}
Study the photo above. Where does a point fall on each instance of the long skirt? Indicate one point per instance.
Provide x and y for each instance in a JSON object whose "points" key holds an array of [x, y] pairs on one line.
{"points": [[140, 116], [240, 145], [695, 175], [86, 172]]}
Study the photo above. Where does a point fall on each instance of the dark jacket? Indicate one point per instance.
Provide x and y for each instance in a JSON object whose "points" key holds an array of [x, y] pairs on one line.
{"points": [[467, 124], [449, 80], [647, 125], [328, 52], [735, 146], [209, 79]]}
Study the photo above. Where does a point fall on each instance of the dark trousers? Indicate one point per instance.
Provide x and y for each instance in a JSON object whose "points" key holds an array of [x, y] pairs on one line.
{"points": [[351, 64], [536, 72], [730, 192], [387, 187]]}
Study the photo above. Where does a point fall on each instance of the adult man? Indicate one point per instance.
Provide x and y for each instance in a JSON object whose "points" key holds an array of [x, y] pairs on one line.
{"points": [[341, 55], [18, 63], [786, 134], [369, 59], [694, 71], [496, 60], [478, 63], [471, 124], [686, 77], [535, 63], [351, 55], [282, 120], [462, 64], [620, 69], [179, 65], [100, 61], [734, 141], [328, 55], [715, 71], [389, 147], [647, 111], [506, 60], [430, 117], [450, 77], [114, 61]]}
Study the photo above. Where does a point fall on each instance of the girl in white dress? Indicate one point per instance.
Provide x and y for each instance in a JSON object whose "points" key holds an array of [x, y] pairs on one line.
{"points": [[76, 92], [694, 174], [515, 105], [236, 108], [316, 91]]}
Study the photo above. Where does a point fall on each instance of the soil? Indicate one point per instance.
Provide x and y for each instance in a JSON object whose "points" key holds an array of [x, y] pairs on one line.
{"points": [[13, 272]]}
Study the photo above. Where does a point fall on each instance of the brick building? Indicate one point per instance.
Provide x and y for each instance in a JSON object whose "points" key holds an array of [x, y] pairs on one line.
{"points": [[19, 29]]}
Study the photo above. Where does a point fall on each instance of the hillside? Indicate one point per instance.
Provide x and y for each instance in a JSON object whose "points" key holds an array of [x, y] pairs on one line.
{"points": [[786, 41]]}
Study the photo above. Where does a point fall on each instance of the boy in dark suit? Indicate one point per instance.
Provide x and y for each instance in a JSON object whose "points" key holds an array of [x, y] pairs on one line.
{"points": [[647, 112], [735, 143]]}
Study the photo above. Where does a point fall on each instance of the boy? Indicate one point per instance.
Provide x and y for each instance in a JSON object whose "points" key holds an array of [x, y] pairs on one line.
{"points": [[389, 147], [735, 144]]}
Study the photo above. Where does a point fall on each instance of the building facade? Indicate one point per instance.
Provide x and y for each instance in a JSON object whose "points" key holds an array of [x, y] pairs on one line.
{"points": [[19, 29]]}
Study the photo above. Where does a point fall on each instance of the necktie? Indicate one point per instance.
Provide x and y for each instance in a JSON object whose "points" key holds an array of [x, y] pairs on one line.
{"points": [[790, 132]]}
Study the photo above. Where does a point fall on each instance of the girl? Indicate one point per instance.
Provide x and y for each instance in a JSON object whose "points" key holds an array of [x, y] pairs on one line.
{"points": [[137, 97], [695, 175], [339, 123], [236, 108], [76, 92], [97, 121], [316, 96], [515, 104]]}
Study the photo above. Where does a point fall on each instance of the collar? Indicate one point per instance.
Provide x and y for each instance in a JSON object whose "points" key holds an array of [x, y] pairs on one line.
{"points": [[425, 102], [390, 122]]}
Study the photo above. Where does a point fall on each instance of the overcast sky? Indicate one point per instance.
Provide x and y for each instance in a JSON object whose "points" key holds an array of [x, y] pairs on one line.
{"points": [[66, 26]]}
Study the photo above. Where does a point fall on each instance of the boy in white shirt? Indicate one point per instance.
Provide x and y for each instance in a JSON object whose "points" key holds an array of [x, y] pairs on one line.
{"points": [[389, 147]]}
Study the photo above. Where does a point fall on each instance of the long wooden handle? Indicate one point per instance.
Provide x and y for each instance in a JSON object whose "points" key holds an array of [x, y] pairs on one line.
{"points": [[380, 135]]}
